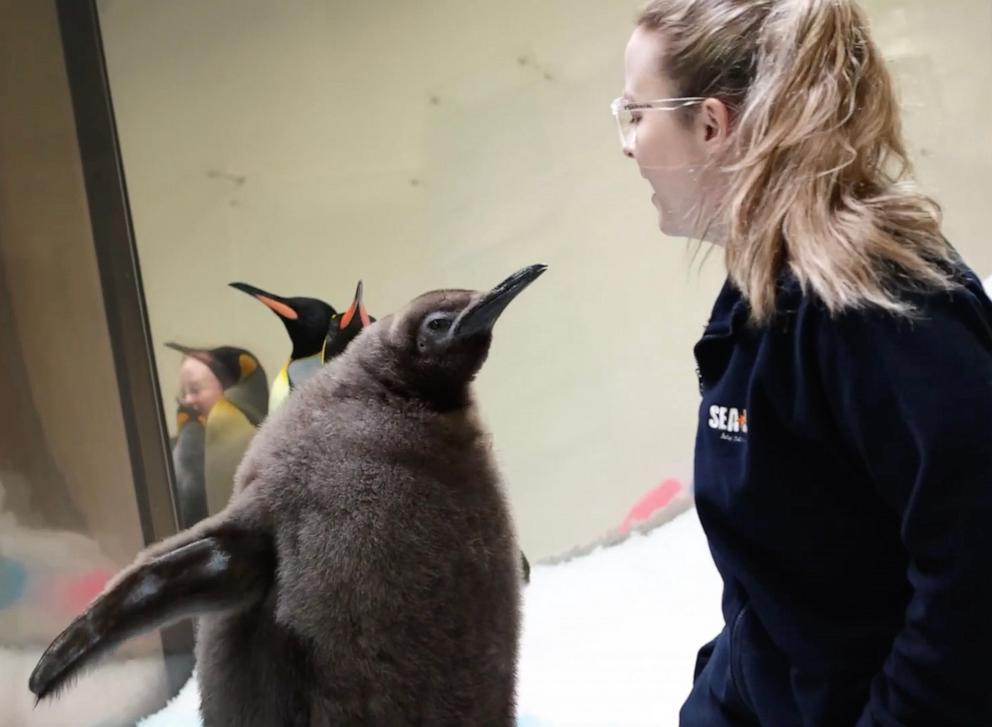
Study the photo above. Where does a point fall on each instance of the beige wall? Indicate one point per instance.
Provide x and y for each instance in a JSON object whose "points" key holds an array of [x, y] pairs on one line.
{"points": [[300, 146]]}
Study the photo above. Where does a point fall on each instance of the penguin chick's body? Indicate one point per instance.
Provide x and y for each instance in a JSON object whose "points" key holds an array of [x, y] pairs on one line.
{"points": [[366, 570]]}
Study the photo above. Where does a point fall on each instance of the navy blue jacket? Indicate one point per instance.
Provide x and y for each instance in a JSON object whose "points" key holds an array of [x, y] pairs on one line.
{"points": [[843, 477]]}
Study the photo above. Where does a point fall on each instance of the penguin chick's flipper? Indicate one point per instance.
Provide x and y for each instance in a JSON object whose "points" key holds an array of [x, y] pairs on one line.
{"points": [[217, 572]]}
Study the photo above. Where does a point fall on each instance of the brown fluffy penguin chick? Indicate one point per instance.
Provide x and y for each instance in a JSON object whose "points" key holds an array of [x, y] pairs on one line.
{"points": [[366, 569]]}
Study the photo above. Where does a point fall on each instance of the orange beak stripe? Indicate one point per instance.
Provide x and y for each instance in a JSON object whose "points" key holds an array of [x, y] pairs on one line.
{"points": [[280, 308], [346, 318]]}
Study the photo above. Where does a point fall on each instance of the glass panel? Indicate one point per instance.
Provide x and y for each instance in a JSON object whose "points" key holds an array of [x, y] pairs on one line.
{"points": [[308, 146], [302, 147], [68, 512], [390, 147]]}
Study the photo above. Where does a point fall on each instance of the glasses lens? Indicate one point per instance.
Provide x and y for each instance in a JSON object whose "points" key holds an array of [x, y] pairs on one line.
{"points": [[625, 125]]}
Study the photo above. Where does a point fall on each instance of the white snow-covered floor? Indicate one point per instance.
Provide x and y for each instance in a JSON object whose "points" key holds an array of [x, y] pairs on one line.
{"points": [[609, 639]]}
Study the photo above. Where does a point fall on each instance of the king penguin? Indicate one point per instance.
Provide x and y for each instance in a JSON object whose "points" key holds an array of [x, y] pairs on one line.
{"points": [[188, 463], [366, 569], [307, 321], [345, 326], [232, 422]]}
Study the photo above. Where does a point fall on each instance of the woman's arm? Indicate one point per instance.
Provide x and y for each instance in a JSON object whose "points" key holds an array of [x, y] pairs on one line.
{"points": [[914, 399]]}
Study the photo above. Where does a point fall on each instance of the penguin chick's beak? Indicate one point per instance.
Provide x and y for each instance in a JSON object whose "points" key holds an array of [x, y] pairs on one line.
{"points": [[481, 316]]}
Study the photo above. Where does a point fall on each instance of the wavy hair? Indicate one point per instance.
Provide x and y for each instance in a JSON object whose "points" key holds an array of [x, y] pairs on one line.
{"points": [[817, 174]]}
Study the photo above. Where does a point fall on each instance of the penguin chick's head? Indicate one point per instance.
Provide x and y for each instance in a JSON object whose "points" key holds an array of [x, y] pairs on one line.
{"points": [[436, 345]]}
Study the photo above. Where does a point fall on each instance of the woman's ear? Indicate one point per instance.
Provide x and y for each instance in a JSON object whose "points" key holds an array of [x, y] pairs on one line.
{"points": [[714, 118]]}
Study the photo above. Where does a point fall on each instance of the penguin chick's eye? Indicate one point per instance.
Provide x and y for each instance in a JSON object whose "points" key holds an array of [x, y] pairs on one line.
{"points": [[434, 329]]}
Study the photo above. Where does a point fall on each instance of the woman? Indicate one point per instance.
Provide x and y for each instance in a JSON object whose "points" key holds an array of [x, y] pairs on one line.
{"points": [[843, 466], [200, 388]]}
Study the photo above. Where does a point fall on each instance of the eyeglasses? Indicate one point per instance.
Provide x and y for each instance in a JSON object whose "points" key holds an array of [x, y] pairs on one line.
{"points": [[628, 112]]}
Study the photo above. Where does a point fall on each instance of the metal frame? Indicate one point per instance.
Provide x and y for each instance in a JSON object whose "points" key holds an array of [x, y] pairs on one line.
{"points": [[123, 294]]}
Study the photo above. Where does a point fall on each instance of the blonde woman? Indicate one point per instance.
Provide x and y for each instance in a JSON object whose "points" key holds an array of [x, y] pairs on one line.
{"points": [[843, 466]]}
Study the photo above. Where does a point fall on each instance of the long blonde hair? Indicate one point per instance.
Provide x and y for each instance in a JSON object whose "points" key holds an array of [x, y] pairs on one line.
{"points": [[818, 178]]}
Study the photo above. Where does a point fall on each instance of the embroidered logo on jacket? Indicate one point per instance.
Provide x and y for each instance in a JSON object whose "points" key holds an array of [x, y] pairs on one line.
{"points": [[730, 421]]}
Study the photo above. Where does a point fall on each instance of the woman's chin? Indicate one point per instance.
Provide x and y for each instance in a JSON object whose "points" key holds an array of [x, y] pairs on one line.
{"points": [[666, 229], [670, 228]]}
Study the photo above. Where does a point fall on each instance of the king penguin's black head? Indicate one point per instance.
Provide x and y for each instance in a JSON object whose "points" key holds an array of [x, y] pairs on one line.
{"points": [[440, 341], [229, 364], [306, 319], [345, 326]]}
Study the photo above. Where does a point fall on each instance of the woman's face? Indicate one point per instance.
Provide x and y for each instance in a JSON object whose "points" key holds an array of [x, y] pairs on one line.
{"points": [[670, 151], [198, 386]]}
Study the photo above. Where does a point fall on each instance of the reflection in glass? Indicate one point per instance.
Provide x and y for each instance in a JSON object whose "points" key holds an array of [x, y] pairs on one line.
{"points": [[224, 396], [69, 514]]}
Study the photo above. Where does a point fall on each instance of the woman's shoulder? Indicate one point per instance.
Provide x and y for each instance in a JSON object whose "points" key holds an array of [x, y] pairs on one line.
{"points": [[950, 328], [966, 300]]}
